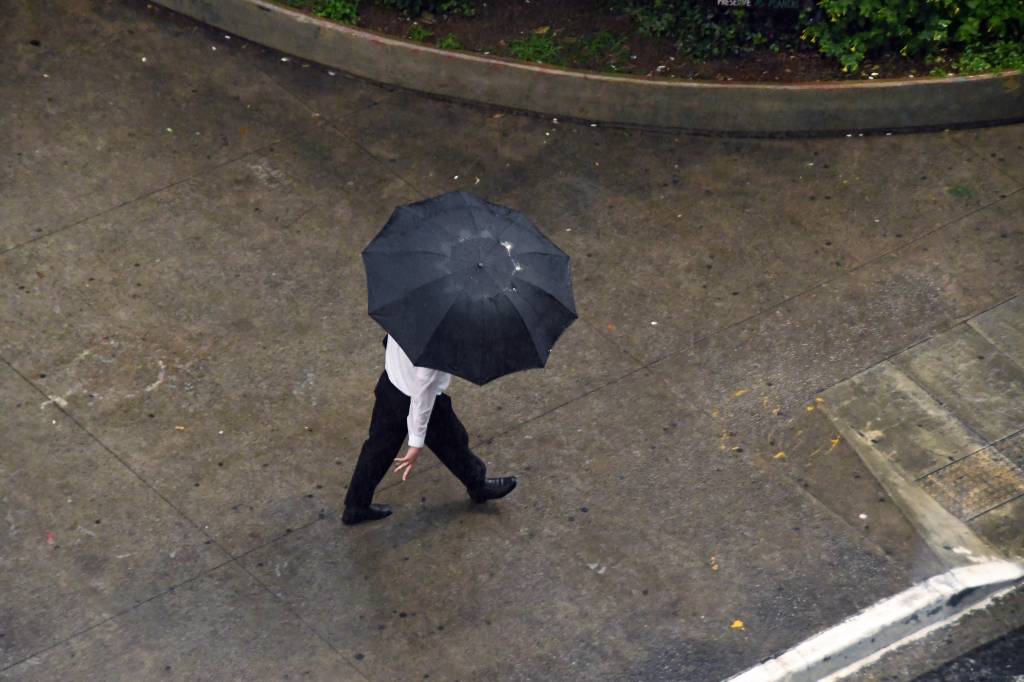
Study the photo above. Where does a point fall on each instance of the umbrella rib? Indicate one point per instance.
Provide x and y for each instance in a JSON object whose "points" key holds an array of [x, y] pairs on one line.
{"points": [[433, 221], [521, 221], [508, 224], [476, 226], [526, 224], [529, 330], [440, 321], [534, 309], [529, 275], [559, 254], [404, 294], [371, 250]]}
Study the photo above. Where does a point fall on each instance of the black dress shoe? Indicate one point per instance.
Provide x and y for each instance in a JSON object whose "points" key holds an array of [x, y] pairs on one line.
{"points": [[493, 488], [354, 515]]}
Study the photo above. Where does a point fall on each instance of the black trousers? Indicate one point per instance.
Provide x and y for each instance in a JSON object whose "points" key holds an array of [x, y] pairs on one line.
{"points": [[446, 437]]}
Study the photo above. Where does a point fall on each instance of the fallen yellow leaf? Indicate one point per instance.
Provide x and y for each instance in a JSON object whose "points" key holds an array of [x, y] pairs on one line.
{"points": [[541, 30], [781, 454], [742, 391], [737, 625], [810, 408]]}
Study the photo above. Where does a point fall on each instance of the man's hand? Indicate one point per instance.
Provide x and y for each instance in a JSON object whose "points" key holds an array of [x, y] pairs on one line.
{"points": [[407, 461]]}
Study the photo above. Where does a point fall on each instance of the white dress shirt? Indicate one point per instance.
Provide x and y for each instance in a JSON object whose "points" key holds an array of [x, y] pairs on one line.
{"points": [[421, 384]]}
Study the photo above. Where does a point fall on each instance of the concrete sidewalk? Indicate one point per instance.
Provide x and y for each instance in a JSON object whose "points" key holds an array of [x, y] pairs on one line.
{"points": [[947, 416], [187, 372]]}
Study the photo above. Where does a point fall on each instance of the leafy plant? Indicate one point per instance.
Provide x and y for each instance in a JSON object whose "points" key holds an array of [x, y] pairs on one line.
{"points": [[420, 33], [414, 8], [537, 47], [345, 11], [464, 7], [850, 30], [1000, 55], [703, 29], [601, 46], [449, 42]]}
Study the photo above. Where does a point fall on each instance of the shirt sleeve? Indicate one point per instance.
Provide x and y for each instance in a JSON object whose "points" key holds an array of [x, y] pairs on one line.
{"points": [[421, 404]]}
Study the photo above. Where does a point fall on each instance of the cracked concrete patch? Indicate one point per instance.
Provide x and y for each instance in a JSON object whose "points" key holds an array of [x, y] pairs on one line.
{"points": [[947, 414]]}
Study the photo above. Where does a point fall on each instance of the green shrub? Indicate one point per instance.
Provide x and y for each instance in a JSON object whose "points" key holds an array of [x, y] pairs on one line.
{"points": [[995, 57], [420, 34], [414, 8], [449, 42], [602, 45], [537, 47], [346, 11], [702, 29], [988, 31]]}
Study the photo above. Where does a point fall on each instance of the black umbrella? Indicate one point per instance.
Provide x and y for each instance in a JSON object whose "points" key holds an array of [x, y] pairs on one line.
{"points": [[468, 287]]}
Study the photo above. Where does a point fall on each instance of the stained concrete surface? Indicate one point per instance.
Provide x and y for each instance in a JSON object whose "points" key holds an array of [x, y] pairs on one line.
{"points": [[972, 379], [903, 421], [163, 639], [945, 417], [1003, 327], [189, 309]]}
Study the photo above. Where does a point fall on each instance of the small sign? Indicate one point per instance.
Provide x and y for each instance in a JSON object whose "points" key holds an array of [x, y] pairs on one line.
{"points": [[764, 4]]}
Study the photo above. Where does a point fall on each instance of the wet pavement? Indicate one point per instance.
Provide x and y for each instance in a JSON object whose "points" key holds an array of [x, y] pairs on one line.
{"points": [[998, 661], [946, 417], [187, 372]]}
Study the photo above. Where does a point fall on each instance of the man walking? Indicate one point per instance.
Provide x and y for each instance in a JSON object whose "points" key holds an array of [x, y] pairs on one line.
{"points": [[474, 290], [411, 401]]}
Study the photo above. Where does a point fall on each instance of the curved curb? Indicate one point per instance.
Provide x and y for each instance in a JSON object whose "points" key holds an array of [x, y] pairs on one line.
{"points": [[841, 650], [823, 108]]}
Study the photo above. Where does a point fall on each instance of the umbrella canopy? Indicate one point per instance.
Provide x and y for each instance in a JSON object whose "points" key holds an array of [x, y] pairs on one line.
{"points": [[468, 287]]}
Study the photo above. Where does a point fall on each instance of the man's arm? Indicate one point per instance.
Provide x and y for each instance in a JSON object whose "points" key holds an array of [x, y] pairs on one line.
{"points": [[421, 404]]}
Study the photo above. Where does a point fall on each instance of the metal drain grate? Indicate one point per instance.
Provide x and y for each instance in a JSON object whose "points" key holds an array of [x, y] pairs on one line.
{"points": [[978, 482]]}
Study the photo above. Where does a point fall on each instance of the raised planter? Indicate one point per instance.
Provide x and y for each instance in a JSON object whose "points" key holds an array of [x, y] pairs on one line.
{"points": [[824, 108]]}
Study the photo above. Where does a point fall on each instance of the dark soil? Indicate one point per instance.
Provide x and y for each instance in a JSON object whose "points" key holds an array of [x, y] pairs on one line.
{"points": [[499, 22]]}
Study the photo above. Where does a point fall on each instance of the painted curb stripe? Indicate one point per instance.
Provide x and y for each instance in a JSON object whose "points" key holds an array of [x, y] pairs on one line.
{"points": [[891, 621]]}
